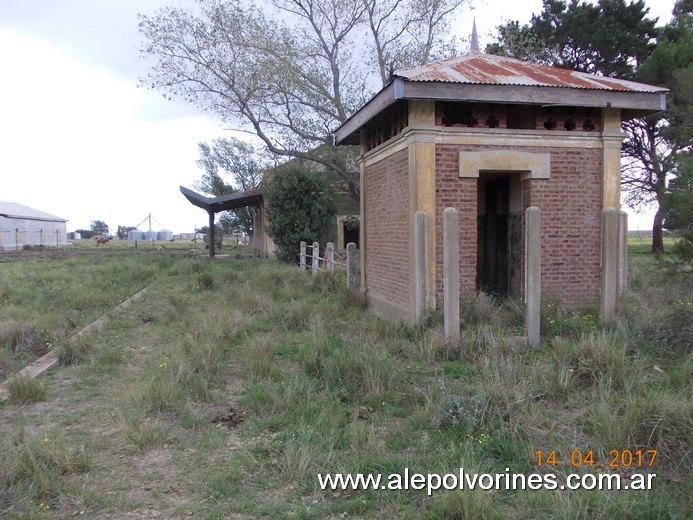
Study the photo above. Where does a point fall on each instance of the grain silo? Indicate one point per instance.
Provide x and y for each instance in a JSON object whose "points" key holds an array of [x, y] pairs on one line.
{"points": [[164, 234]]}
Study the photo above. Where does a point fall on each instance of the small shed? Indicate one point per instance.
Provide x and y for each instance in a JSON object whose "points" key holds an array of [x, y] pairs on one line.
{"points": [[24, 226], [491, 136]]}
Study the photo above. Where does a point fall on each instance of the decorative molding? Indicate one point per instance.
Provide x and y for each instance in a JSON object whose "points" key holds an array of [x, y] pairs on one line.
{"points": [[532, 165]]}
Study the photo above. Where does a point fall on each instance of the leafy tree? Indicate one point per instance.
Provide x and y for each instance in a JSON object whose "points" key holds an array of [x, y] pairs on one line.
{"points": [[657, 144], [238, 161], [611, 38], [290, 71], [98, 227], [300, 207], [123, 231], [615, 38], [678, 201]]}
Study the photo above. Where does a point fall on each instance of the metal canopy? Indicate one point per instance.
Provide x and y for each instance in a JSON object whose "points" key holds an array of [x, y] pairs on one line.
{"points": [[214, 205], [223, 202]]}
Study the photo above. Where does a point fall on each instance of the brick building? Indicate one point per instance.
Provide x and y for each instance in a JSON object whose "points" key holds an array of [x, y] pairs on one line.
{"points": [[490, 136]]}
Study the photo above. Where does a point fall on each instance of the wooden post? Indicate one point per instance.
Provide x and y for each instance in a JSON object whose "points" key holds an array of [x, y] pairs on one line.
{"points": [[420, 266], [351, 266], [533, 275], [610, 217], [302, 256], [316, 258], [451, 275], [329, 256], [212, 238]]}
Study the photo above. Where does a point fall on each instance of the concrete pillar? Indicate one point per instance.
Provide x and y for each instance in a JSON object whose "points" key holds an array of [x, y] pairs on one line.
{"points": [[612, 139], [420, 266], [533, 275], [329, 256], [451, 275], [610, 218], [302, 256], [316, 258], [622, 253], [351, 266]]}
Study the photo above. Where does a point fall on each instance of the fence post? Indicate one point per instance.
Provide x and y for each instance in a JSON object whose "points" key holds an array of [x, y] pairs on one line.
{"points": [[533, 275], [451, 275], [329, 256], [316, 258], [610, 218], [420, 265], [302, 256], [351, 266], [622, 283]]}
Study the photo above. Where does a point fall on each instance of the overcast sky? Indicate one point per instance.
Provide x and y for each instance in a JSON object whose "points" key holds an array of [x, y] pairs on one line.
{"points": [[79, 138]]}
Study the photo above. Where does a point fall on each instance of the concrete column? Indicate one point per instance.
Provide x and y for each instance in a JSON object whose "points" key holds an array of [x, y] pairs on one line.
{"points": [[422, 186], [610, 218], [316, 258], [622, 253], [451, 275], [420, 266], [302, 256], [329, 256], [533, 275], [351, 265], [612, 139]]}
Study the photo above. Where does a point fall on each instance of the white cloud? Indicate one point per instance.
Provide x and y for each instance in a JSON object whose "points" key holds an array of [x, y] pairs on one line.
{"points": [[75, 143]]}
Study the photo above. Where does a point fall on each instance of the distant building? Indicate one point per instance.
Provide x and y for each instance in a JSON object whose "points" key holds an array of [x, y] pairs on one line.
{"points": [[24, 226]]}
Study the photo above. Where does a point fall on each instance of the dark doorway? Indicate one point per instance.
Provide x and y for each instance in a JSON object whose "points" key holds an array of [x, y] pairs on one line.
{"points": [[351, 233], [499, 234]]}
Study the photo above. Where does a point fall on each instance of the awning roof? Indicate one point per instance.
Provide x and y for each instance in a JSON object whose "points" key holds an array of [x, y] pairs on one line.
{"points": [[223, 202]]}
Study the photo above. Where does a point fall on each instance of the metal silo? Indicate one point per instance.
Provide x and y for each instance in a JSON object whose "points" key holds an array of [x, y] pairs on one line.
{"points": [[164, 234]]}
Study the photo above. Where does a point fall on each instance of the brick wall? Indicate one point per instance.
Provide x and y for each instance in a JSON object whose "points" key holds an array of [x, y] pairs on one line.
{"points": [[570, 202], [386, 195]]}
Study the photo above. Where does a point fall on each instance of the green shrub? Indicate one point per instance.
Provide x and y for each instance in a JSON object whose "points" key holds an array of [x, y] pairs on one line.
{"points": [[300, 207]]}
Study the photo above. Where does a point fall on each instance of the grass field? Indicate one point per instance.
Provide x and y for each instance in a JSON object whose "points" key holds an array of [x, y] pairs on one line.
{"points": [[235, 382]]}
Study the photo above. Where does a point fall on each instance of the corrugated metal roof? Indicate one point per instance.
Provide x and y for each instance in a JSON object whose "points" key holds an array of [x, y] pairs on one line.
{"points": [[488, 69], [14, 210]]}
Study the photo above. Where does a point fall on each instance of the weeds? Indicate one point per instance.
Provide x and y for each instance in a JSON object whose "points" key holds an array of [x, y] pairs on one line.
{"points": [[25, 389], [75, 350], [323, 387]]}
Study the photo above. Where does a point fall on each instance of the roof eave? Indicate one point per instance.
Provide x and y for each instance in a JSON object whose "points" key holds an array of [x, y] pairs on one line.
{"points": [[647, 102], [633, 104], [223, 202], [348, 132]]}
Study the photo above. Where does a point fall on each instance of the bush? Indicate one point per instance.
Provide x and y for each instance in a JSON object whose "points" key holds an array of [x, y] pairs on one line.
{"points": [[300, 207]]}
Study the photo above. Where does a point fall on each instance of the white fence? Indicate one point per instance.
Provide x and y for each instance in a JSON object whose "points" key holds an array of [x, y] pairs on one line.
{"points": [[330, 260]]}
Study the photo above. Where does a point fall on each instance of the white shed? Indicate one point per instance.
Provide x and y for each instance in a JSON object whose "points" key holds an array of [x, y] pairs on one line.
{"points": [[24, 226]]}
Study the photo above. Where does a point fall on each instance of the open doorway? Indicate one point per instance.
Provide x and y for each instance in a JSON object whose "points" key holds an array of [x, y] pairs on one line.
{"points": [[499, 234]]}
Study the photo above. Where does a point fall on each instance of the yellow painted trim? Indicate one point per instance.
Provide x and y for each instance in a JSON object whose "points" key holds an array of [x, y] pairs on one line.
{"points": [[612, 139]]}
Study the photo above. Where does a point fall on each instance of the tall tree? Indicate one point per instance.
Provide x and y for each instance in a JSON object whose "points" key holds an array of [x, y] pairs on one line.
{"points": [[290, 71], [98, 227], [615, 38], [239, 162], [657, 145]]}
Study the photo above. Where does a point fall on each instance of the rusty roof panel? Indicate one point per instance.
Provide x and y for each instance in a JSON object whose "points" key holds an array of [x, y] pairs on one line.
{"points": [[488, 69]]}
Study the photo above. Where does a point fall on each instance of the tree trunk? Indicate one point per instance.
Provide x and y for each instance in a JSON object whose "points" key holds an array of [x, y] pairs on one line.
{"points": [[657, 234]]}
